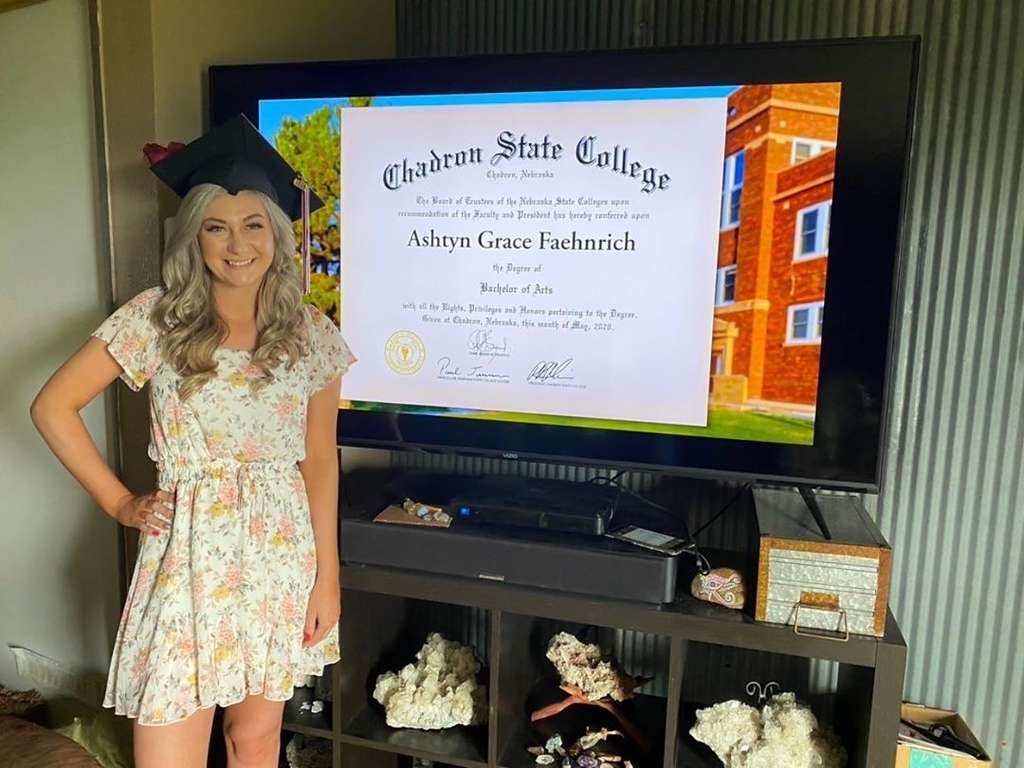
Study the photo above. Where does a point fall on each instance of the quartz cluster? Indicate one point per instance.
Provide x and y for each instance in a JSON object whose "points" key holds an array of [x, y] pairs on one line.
{"points": [[438, 691], [583, 666], [783, 732]]}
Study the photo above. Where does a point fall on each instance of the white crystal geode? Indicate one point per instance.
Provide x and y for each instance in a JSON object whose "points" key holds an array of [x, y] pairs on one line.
{"points": [[582, 665], [783, 733], [438, 691]]}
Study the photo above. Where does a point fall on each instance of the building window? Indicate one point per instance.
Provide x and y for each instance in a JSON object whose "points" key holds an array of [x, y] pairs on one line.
{"points": [[812, 227], [732, 187], [725, 285], [805, 149], [804, 323]]}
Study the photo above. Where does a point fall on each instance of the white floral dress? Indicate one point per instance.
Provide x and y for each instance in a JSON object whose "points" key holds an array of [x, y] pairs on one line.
{"points": [[217, 603]]}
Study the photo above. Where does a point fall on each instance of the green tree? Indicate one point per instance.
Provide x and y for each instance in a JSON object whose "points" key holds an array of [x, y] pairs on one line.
{"points": [[312, 147], [324, 293]]}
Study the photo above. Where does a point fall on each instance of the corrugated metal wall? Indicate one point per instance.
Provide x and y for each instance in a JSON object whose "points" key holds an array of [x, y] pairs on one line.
{"points": [[953, 498]]}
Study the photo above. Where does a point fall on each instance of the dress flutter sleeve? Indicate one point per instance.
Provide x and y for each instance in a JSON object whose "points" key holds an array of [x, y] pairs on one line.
{"points": [[329, 353], [132, 339]]}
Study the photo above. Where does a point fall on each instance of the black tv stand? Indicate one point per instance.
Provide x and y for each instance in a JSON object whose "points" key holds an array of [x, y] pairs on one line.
{"points": [[389, 609]]}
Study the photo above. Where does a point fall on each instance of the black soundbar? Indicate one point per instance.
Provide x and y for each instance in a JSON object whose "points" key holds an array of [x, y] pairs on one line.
{"points": [[534, 558]]}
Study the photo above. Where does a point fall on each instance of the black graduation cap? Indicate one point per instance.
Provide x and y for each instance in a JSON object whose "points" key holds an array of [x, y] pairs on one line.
{"points": [[235, 156]]}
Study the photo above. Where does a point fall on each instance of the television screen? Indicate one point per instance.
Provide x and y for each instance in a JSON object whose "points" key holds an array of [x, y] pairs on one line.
{"points": [[607, 260]]}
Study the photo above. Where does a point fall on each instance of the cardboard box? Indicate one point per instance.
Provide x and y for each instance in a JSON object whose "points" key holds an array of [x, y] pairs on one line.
{"points": [[914, 756]]}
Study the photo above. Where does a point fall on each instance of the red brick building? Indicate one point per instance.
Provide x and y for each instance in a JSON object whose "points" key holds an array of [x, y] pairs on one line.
{"points": [[773, 248]]}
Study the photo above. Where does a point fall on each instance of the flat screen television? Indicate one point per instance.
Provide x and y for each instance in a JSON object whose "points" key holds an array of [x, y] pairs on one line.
{"points": [[681, 259]]}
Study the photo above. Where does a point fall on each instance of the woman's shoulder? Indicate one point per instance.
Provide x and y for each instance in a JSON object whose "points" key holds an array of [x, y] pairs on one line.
{"points": [[318, 320], [147, 298], [323, 333], [314, 312], [130, 336], [136, 312], [328, 352], [134, 317]]}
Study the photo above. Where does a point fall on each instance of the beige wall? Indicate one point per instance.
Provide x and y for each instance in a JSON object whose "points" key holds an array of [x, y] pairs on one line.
{"points": [[58, 552], [190, 35]]}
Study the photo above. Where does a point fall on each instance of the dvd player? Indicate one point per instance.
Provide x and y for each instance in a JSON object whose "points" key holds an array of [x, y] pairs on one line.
{"points": [[525, 502]]}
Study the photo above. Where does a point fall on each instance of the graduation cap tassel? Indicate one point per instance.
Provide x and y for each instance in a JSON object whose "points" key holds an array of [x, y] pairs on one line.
{"points": [[307, 262], [307, 258]]}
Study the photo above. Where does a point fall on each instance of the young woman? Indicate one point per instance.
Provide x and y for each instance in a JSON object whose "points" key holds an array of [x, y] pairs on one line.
{"points": [[235, 594]]}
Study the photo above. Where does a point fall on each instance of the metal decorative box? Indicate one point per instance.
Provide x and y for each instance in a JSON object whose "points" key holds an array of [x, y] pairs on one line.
{"points": [[837, 584]]}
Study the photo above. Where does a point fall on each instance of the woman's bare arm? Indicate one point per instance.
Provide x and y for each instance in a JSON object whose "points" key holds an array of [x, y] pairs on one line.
{"points": [[320, 471], [55, 412]]}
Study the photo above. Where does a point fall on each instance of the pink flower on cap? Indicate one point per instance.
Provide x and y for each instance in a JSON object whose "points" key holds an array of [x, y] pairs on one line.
{"points": [[155, 152]]}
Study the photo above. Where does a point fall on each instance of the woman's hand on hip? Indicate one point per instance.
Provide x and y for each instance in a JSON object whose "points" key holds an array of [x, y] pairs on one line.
{"points": [[151, 512]]}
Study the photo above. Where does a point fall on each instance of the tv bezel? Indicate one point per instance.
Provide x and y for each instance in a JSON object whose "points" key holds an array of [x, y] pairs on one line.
{"points": [[878, 94]]}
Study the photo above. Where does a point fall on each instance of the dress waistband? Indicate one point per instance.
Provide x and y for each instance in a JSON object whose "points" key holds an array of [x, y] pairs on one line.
{"points": [[223, 467]]}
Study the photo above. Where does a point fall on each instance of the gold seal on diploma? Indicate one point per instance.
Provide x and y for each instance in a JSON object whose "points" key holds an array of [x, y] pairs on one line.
{"points": [[405, 352]]}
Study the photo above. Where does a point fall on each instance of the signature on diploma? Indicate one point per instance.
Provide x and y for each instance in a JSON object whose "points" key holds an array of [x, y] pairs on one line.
{"points": [[480, 342], [546, 370], [448, 369]]}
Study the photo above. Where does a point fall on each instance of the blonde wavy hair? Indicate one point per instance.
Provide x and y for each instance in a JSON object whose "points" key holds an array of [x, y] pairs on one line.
{"points": [[190, 329]]}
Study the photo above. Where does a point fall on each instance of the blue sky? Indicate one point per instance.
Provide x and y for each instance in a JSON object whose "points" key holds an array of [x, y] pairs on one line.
{"points": [[273, 112]]}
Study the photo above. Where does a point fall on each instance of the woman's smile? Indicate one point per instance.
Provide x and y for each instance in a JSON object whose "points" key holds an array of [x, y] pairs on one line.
{"points": [[236, 239]]}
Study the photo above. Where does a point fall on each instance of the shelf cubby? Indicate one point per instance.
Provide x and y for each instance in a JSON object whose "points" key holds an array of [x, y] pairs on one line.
{"points": [[299, 720], [528, 681], [382, 633], [324, 748], [712, 673]]}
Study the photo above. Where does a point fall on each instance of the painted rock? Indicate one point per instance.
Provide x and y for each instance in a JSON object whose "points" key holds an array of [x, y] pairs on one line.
{"points": [[722, 586]]}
